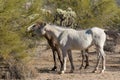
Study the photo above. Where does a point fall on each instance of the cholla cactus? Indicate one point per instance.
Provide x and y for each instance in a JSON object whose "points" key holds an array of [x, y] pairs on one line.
{"points": [[59, 11], [70, 17], [71, 12], [67, 17]]}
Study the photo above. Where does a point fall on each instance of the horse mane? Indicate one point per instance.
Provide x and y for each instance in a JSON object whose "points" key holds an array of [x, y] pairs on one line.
{"points": [[41, 23]]}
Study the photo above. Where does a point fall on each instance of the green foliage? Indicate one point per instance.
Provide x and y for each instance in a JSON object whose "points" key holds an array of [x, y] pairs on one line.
{"points": [[14, 42], [10, 43], [14, 18], [99, 13], [91, 12]]}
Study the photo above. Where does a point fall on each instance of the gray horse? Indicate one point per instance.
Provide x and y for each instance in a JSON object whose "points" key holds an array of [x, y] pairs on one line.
{"points": [[70, 39]]}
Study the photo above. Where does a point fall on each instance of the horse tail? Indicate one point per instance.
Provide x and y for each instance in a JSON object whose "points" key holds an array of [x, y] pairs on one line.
{"points": [[113, 34]]}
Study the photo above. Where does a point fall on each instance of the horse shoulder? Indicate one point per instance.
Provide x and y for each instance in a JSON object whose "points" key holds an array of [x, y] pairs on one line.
{"points": [[63, 38]]}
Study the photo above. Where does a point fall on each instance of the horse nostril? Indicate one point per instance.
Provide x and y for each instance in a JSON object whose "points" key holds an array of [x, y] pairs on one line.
{"points": [[32, 35]]}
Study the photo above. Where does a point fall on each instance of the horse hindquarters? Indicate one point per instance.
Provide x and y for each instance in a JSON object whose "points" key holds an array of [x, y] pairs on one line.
{"points": [[99, 38]]}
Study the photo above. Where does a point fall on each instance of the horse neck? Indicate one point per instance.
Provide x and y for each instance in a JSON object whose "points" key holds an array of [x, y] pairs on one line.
{"points": [[55, 30], [47, 36]]}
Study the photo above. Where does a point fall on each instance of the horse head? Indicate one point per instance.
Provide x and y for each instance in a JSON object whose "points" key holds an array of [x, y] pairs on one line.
{"points": [[37, 28]]}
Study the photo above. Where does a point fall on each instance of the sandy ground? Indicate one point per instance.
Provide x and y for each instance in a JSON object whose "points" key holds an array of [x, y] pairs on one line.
{"points": [[43, 62]]}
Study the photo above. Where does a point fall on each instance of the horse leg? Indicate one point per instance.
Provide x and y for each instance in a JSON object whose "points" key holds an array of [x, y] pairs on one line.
{"points": [[55, 64], [71, 60], [64, 53], [87, 58], [59, 57], [98, 61], [103, 60], [83, 57]]}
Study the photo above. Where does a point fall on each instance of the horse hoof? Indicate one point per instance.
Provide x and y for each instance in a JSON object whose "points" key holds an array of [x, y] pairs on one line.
{"points": [[62, 72], [80, 68], [54, 69], [71, 71], [95, 71], [102, 71], [86, 67]]}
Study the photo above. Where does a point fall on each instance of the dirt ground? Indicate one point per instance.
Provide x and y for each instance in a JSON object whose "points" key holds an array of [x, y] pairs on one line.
{"points": [[43, 62]]}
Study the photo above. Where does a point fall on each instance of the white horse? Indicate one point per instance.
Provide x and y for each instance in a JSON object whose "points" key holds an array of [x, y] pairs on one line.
{"points": [[70, 39], [36, 30]]}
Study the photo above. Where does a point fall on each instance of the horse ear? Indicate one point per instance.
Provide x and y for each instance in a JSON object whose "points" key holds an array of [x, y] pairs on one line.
{"points": [[40, 23]]}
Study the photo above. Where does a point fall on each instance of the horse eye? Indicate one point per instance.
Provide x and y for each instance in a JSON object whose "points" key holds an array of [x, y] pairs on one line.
{"points": [[33, 25]]}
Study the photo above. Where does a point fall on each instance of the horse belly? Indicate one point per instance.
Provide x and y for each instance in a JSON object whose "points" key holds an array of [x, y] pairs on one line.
{"points": [[81, 44]]}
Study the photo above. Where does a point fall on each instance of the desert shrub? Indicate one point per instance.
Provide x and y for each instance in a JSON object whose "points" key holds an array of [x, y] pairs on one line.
{"points": [[14, 42], [16, 15], [91, 13]]}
